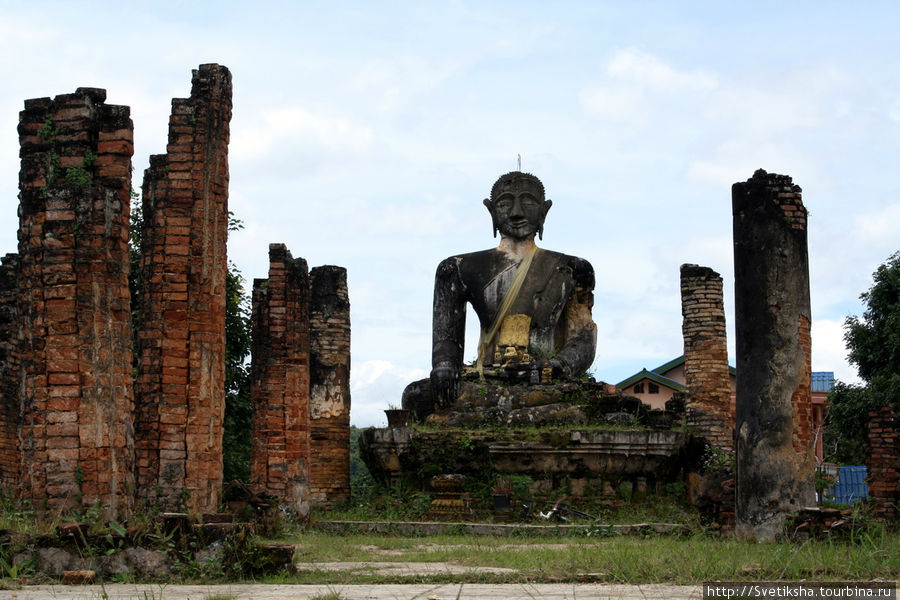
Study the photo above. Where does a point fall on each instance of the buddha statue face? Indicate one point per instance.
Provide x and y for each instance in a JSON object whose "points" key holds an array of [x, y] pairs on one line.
{"points": [[517, 206]]}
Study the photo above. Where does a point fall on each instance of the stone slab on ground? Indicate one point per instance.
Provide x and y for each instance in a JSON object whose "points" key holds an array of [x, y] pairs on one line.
{"points": [[400, 569], [455, 591]]}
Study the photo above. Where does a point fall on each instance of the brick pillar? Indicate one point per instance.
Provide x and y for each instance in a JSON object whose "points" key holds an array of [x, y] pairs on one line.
{"points": [[775, 456], [75, 348], [329, 397], [9, 375], [708, 383], [279, 389], [181, 384], [883, 463]]}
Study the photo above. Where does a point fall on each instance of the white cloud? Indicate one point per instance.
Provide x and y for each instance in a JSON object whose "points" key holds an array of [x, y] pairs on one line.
{"points": [[640, 85], [298, 127], [394, 83], [375, 384], [737, 158], [879, 227], [617, 103], [764, 111], [648, 70], [829, 351], [894, 111]]}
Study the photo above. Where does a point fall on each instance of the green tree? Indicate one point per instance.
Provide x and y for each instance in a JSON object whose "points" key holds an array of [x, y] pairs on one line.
{"points": [[873, 343], [844, 436], [238, 410], [135, 227], [361, 481], [874, 340]]}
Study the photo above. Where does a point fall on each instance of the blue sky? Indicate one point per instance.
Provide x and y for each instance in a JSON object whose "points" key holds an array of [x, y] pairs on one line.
{"points": [[367, 134]]}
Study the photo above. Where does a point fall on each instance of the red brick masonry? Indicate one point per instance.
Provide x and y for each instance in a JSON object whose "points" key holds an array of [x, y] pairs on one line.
{"points": [[280, 381], [300, 383], [180, 393], [883, 463], [74, 340], [76, 428], [708, 382]]}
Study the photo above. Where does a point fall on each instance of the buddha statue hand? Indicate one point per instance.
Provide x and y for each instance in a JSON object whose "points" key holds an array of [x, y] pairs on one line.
{"points": [[444, 384], [559, 368]]}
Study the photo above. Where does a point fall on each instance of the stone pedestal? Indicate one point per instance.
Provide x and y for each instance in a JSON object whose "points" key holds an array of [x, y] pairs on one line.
{"points": [[451, 503]]}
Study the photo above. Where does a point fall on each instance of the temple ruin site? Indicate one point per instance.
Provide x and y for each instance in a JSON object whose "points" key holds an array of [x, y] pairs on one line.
{"points": [[103, 409]]}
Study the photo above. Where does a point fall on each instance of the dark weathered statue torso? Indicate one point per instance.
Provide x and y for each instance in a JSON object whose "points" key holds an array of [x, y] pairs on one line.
{"points": [[549, 289]]}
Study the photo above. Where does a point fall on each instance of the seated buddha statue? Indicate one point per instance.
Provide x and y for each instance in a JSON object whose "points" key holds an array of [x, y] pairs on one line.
{"points": [[533, 305]]}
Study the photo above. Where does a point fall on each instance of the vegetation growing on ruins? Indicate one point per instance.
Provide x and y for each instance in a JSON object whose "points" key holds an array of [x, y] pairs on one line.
{"points": [[595, 553], [79, 175], [873, 343]]}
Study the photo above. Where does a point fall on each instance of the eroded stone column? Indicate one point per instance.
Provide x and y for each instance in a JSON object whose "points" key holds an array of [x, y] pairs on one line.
{"points": [[329, 397], [279, 389], [775, 455], [75, 345], [181, 382], [708, 383]]}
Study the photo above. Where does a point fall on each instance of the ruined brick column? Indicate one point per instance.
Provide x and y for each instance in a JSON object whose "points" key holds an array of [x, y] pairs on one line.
{"points": [[180, 391], [301, 384], [775, 455], [883, 463], [329, 397], [708, 403], [10, 460], [279, 389], [75, 395]]}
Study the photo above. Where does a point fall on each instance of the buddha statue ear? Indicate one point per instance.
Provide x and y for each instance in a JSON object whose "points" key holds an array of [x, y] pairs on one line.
{"points": [[490, 206], [545, 208]]}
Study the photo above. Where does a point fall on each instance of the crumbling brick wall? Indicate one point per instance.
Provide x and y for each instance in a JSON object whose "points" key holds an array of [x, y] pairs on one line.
{"points": [[10, 460], [75, 429], [180, 390], [74, 340], [300, 383], [775, 454], [280, 381], [707, 378], [329, 397], [883, 463]]}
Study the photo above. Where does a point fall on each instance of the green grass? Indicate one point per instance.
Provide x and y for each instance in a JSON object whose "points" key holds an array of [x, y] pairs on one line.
{"points": [[870, 552], [330, 595], [657, 559]]}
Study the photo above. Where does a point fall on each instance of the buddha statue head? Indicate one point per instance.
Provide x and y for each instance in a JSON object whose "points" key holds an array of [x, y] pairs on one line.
{"points": [[517, 206]]}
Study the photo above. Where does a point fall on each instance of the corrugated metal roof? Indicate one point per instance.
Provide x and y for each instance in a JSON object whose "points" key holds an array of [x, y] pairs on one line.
{"points": [[822, 381]]}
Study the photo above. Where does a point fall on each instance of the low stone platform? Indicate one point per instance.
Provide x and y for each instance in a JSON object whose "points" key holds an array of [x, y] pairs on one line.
{"points": [[423, 528], [591, 461], [571, 437]]}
